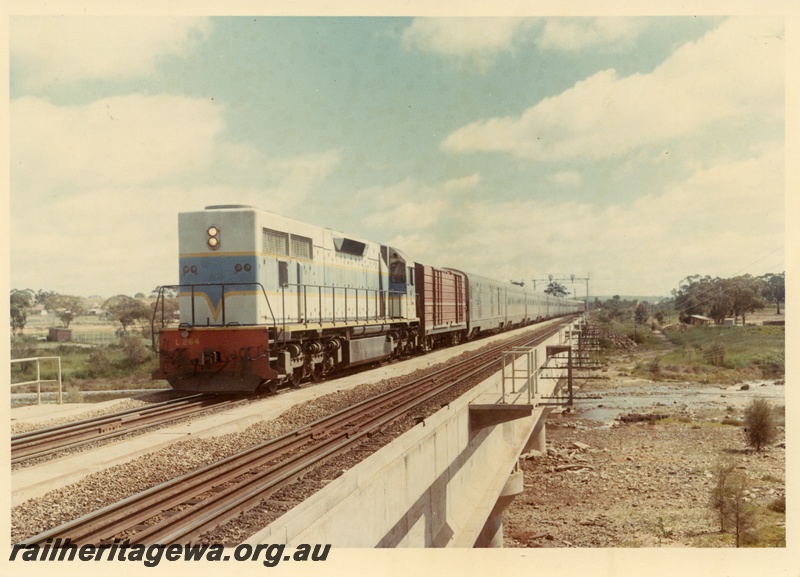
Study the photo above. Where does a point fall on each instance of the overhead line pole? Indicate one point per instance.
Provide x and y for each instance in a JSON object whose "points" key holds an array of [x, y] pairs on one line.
{"points": [[572, 278]]}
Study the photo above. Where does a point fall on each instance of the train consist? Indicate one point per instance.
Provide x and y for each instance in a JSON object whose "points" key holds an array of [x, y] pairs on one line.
{"points": [[266, 300]]}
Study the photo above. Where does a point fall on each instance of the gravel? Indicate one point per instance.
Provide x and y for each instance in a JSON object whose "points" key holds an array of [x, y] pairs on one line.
{"points": [[115, 483], [645, 483]]}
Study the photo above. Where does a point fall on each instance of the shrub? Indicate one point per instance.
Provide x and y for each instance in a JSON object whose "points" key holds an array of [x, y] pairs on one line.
{"points": [[778, 505], [760, 429], [715, 355], [135, 351], [23, 348], [99, 364]]}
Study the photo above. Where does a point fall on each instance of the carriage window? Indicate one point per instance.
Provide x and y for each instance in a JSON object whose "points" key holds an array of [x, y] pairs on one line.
{"points": [[276, 242]]}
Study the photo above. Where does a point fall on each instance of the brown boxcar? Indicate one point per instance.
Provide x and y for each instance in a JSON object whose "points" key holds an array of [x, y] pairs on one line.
{"points": [[441, 306]]}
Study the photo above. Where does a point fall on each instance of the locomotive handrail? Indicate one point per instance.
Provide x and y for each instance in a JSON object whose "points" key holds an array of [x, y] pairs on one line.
{"points": [[181, 288], [303, 290]]}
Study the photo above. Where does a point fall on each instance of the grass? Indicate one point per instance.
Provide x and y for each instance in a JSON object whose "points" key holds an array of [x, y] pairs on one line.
{"points": [[770, 530], [716, 354], [85, 367]]}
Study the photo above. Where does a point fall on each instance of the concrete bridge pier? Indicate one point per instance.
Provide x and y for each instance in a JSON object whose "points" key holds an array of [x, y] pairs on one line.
{"points": [[492, 533], [538, 439]]}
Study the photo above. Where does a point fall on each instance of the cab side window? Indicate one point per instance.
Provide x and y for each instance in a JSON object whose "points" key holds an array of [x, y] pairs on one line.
{"points": [[397, 272]]}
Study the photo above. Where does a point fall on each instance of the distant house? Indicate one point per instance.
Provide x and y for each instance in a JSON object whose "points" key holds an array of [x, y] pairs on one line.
{"points": [[700, 320], [39, 310]]}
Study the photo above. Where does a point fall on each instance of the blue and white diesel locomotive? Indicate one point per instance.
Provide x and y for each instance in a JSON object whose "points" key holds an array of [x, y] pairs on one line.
{"points": [[265, 300]]}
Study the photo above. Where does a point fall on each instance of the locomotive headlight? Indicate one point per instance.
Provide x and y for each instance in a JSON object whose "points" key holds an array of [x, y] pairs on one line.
{"points": [[213, 237]]}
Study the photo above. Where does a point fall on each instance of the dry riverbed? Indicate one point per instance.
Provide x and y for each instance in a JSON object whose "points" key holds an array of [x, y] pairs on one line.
{"points": [[609, 483]]}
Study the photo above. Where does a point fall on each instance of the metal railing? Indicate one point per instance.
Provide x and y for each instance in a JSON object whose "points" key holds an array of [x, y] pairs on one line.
{"points": [[377, 304], [381, 300], [528, 374], [181, 289], [38, 382]]}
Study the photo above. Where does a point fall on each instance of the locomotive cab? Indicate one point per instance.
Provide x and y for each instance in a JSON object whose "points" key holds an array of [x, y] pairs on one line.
{"points": [[402, 292]]}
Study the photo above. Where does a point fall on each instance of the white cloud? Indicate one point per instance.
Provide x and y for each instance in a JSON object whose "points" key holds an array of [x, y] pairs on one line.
{"points": [[734, 72], [134, 140], [719, 221], [422, 207], [576, 34], [478, 38], [568, 178], [95, 189], [122, 140], [62, 50], [460, 184]]}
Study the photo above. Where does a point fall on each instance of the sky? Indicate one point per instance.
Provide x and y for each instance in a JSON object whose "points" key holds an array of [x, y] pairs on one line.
{"points": [[633, 151]]}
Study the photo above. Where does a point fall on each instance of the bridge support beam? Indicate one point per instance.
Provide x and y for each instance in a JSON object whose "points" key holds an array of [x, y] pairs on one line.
{"points": [[538, 438]]}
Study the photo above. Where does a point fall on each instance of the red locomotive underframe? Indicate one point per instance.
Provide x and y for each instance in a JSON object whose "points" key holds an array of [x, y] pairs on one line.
{"points": [[215, 358]]}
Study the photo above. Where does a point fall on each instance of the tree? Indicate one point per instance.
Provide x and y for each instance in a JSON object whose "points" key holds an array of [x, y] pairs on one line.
{"points": [[746, 296], [774, 289], [166, 309], [759, 422], [126, 310], [741, 513], [694, 295], [642, 313], [21, 301], [720, 493], [172, 292], [556, 289], [729, 499], [718, 298], [66, 307], [42, 296]]}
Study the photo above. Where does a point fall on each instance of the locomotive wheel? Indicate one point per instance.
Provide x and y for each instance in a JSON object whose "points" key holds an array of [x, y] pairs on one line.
{"points": [[294, 380], [270, 386], [317, 373]]}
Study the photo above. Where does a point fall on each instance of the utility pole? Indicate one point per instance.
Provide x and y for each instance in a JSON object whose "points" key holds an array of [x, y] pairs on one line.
{"points": [[572, 278]]}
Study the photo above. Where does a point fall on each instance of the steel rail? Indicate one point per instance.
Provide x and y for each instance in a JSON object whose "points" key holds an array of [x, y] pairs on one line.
{"points": [[43, 442], [254, 474]]}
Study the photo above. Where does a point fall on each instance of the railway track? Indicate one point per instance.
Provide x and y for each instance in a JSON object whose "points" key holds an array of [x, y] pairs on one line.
{"points": [[183, 509], [44, 442]]}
